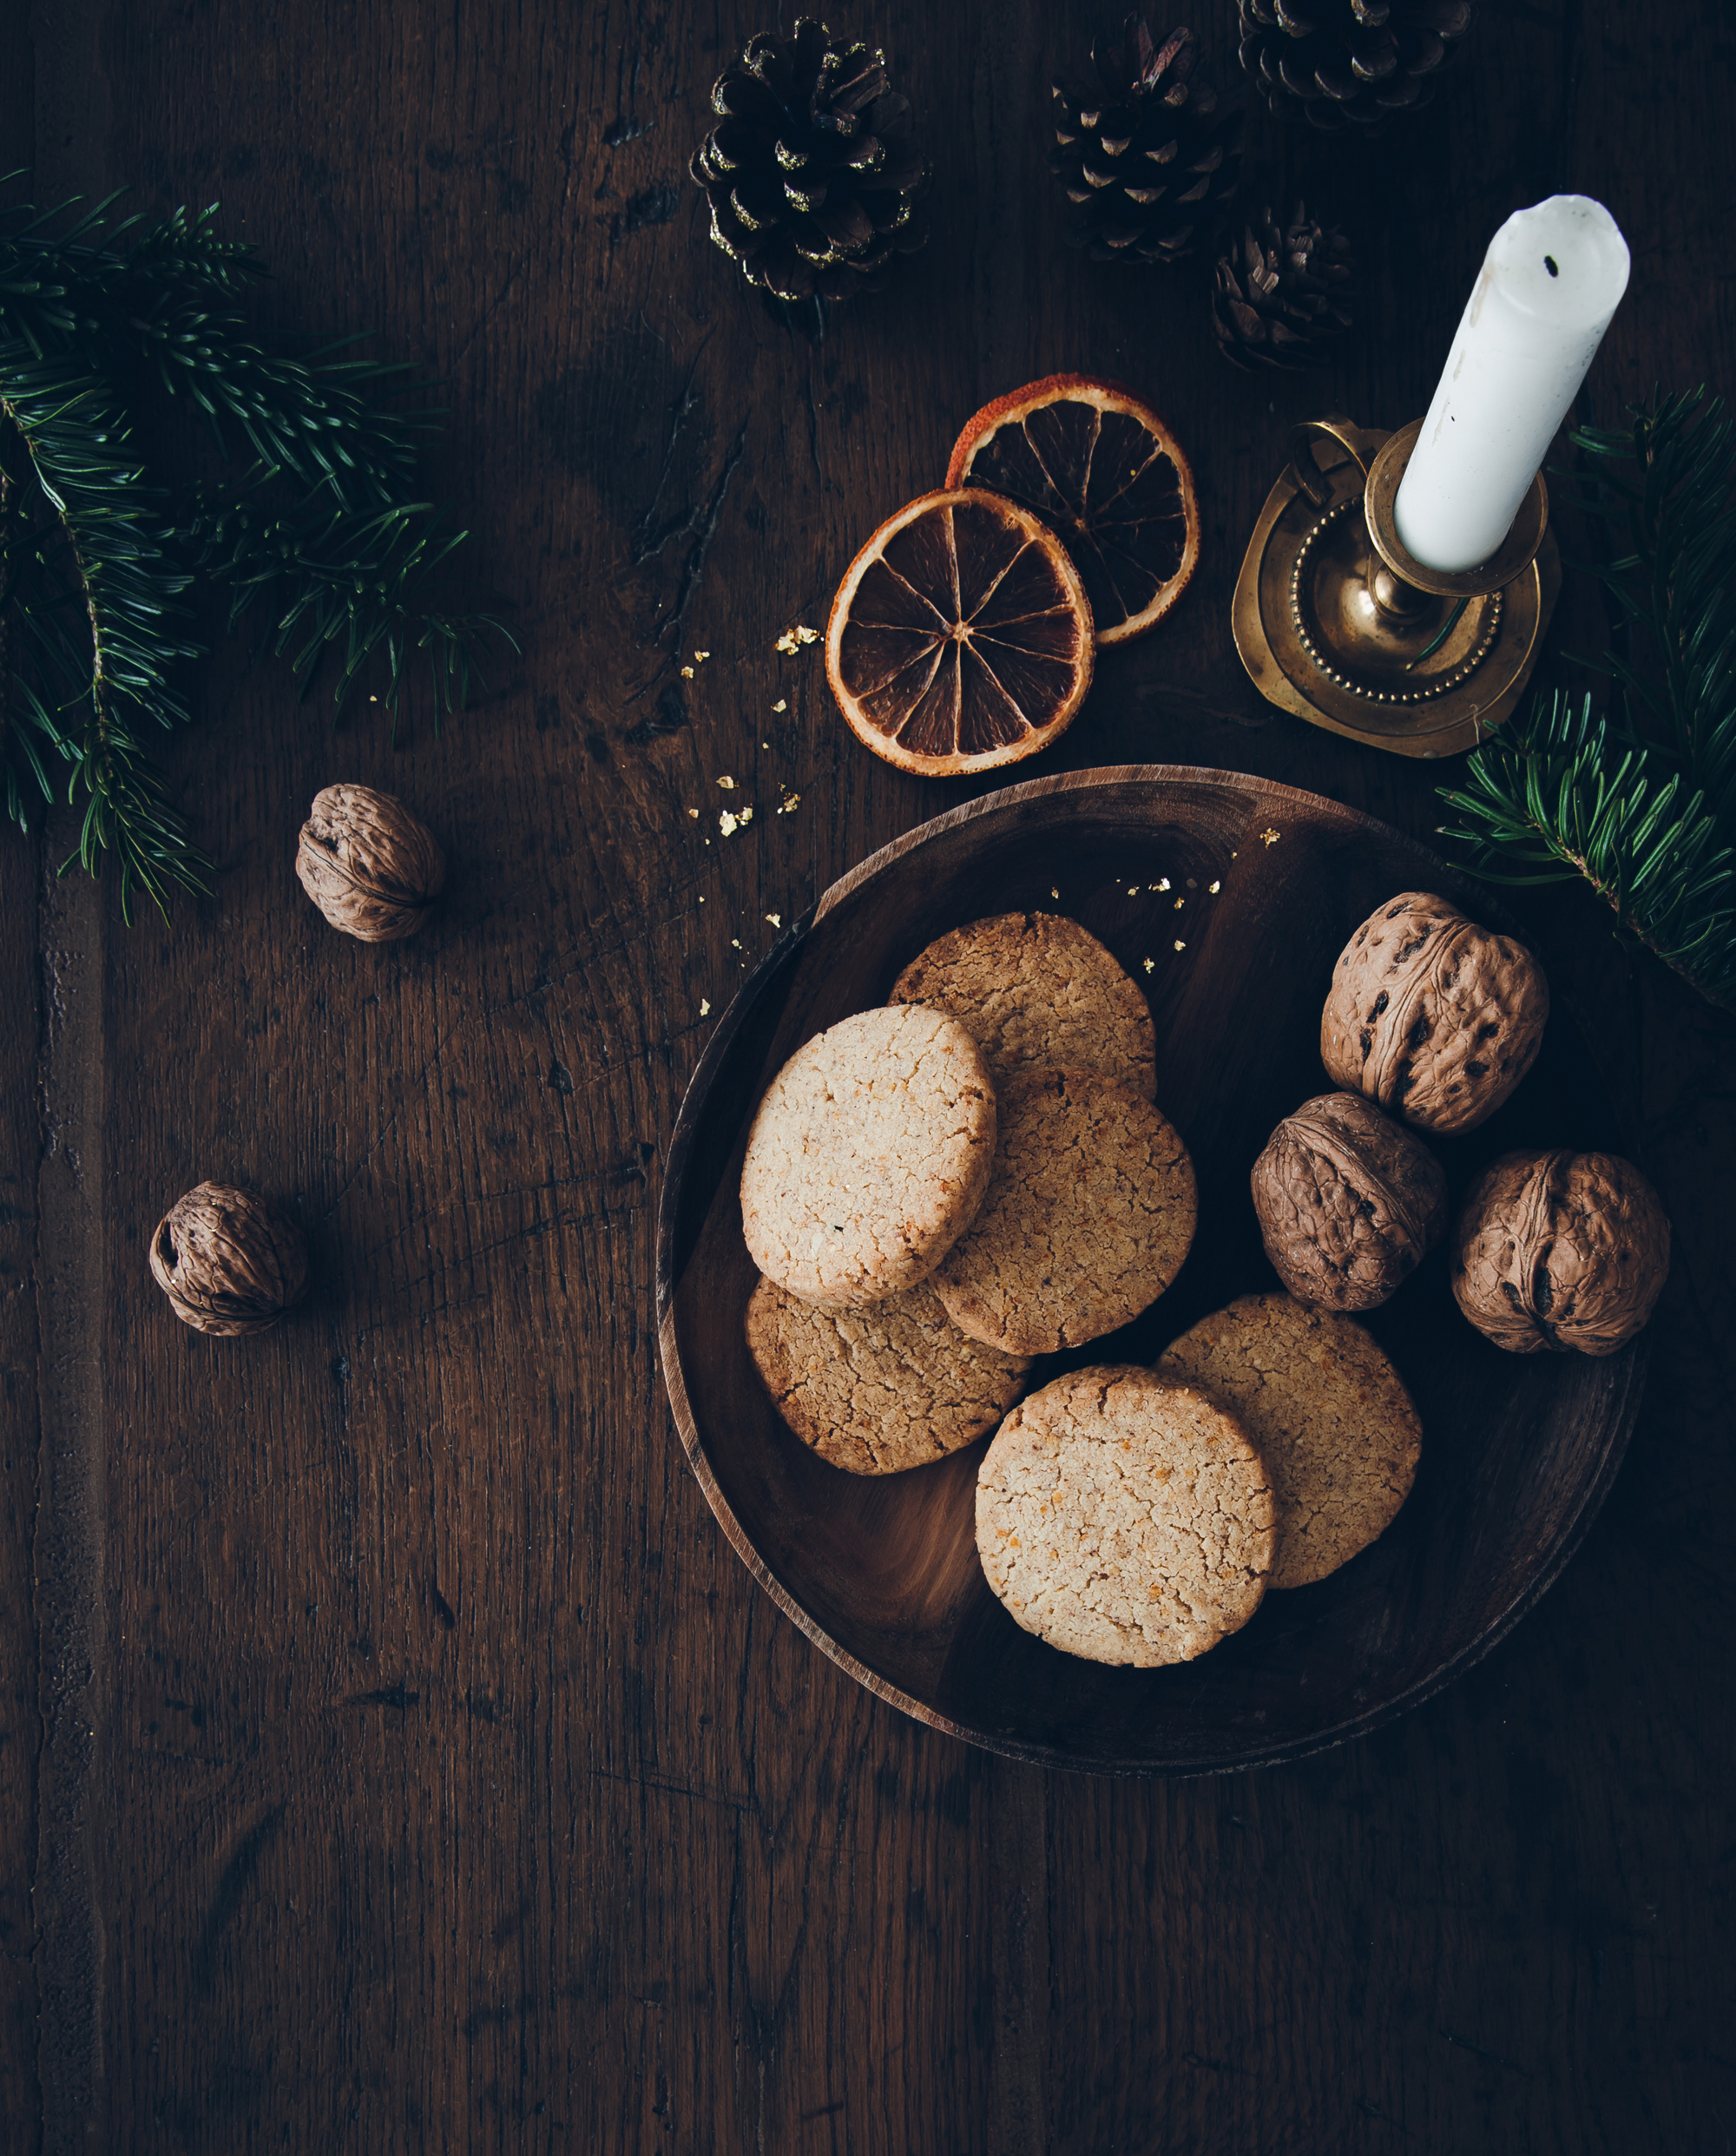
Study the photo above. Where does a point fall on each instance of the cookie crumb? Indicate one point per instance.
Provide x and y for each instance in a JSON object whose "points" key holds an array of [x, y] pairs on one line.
{"points": [[1162, 883], [704, 1007], [782, 704], [693, 812], [1179, 945], [789, 802], [1148, 964], [787, 642], [1213, 890], [747, 816], [775, 919], [727, 824], [1053, 892], [728, 785], [1177, 907], [1268, 837], [699, 658], [805, 635], [687, 673]]}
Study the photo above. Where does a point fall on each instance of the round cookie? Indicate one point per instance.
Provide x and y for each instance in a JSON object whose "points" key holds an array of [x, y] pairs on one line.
{"points": [[1125, 1519], [882, 1389], [1089, 1213], [1330, 1414], [1039, 993], [868, 1156]]}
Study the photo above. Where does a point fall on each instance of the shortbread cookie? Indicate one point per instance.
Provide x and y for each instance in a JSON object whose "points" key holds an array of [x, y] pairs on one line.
{"points": [[1125, 1519], [1330, 1414], [878, 1389], [1039, 993], [868, 1156], [1089, 1214]]}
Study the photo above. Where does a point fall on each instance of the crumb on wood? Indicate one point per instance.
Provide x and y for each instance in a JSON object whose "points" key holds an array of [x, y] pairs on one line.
{"points": [[727, 824], [727, 783], [687, 673], [1148, 964], [1212, 890], [1267, 838], [704, 1007], [1179, 945], [776, 919], [782, 704]]}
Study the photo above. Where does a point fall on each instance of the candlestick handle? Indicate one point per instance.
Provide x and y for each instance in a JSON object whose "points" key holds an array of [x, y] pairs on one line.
{"points": [[1309, 477]]}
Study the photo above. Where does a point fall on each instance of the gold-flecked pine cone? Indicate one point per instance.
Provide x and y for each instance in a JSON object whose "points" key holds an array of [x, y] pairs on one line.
{"points": [[372, 867], [229, 1263]]}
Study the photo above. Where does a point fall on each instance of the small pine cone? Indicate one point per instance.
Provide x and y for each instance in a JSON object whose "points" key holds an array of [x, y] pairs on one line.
{"points": [[1280, 294], [1348, 64], [812, 171], [372, 867], [1147, 151], [229, 1263]]}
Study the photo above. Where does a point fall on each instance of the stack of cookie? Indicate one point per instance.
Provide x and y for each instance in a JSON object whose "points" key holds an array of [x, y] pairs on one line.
{"points": [[937, 1191], [1140, 1515]]}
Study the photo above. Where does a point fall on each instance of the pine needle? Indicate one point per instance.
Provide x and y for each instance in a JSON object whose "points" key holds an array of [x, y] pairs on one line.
{"points": [[319, 525], [1640, 801]]}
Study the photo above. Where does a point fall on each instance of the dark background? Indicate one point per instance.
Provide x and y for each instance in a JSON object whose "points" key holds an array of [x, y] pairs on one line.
{"points": [[393, 1753]]}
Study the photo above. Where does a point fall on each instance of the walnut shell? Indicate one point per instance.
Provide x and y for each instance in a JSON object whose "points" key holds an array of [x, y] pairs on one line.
{"points": [[229, 1263], [1348, 1202], [372, 867], [1561, 1249], [1430, 1016]]}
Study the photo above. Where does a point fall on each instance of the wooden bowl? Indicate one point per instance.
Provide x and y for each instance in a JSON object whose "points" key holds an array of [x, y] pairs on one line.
{"points": [[881, 1572]]}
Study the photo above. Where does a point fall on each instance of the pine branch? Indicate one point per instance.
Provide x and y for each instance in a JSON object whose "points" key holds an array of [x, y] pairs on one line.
{"points": [[321, 530], [1554, 798], [1640, 802]]}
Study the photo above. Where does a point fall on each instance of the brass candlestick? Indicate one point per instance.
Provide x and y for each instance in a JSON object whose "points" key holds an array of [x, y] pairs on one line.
{"points": [[1337, 621]]}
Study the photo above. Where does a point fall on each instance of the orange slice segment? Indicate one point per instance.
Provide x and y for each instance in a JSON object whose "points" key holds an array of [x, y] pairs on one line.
{"points": [[961, 636], [1096, 462]]}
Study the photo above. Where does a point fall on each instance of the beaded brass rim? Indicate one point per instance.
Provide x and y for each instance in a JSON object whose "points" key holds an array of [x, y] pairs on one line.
{"points": [[1310, 643]]}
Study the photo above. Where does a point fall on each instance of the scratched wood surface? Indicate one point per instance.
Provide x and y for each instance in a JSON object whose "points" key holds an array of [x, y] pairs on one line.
{"points": [[400, 1757]]}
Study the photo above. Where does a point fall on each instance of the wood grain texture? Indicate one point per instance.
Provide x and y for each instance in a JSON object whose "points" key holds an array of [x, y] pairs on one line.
{"points": [[458, 1788]]}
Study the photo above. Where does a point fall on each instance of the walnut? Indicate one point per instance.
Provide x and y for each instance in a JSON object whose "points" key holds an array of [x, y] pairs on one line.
{"points": [[228, 1262], [371, 867], [1561, 1249], [1430, 1016], [1347, 1201]]}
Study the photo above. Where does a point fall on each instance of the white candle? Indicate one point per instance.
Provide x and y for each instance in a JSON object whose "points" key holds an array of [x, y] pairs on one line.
{"points": [[1549, 283]]}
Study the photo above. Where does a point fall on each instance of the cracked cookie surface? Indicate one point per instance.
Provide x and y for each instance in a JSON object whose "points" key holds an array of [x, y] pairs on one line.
{"points": [[1329, 1413], [868, 1156], [1125, 1518], [1089, 1213], [1037, 992], [877, 1390]]}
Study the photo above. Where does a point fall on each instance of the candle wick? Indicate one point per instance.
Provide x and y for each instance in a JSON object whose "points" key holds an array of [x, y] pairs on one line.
{"points": [[1551, 264]]}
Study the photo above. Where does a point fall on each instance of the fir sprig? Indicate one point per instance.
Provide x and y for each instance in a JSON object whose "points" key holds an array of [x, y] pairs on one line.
{"points": [[321, 528], [1640, 800]]}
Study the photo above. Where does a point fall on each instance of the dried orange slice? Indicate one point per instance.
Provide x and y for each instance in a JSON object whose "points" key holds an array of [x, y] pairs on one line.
{"points": [[1097, 464], [961, 636]]}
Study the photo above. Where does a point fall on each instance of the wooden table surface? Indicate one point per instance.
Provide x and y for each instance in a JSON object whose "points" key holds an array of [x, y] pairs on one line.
{"points": [[394, 1756]]}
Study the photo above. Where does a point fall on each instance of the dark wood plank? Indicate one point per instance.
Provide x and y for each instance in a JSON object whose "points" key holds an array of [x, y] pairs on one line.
{"points": [[457, 1787]]}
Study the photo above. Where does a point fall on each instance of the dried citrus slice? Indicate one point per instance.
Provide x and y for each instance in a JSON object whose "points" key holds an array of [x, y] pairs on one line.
{"points": [[960, 637], [1096, 462]]}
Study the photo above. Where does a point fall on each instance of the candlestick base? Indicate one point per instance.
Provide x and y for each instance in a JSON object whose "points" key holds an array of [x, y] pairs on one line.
{"points": [[1336, 622]]}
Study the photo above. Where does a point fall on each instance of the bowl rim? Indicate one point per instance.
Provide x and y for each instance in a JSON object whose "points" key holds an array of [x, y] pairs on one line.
{"points": [[695, 1102]]}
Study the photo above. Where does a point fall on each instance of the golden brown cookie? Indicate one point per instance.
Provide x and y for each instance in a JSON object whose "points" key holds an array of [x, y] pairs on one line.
{"points": [[1089, 1213], [1329, 1413], [869, 1156], [876, 1391], [1039, 993], [1125, 1519]]}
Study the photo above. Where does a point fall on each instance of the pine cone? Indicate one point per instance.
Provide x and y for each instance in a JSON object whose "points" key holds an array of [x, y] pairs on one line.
{"points": [[1278, 295], [1147, 150], [1345, 64], [812, 171]]}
